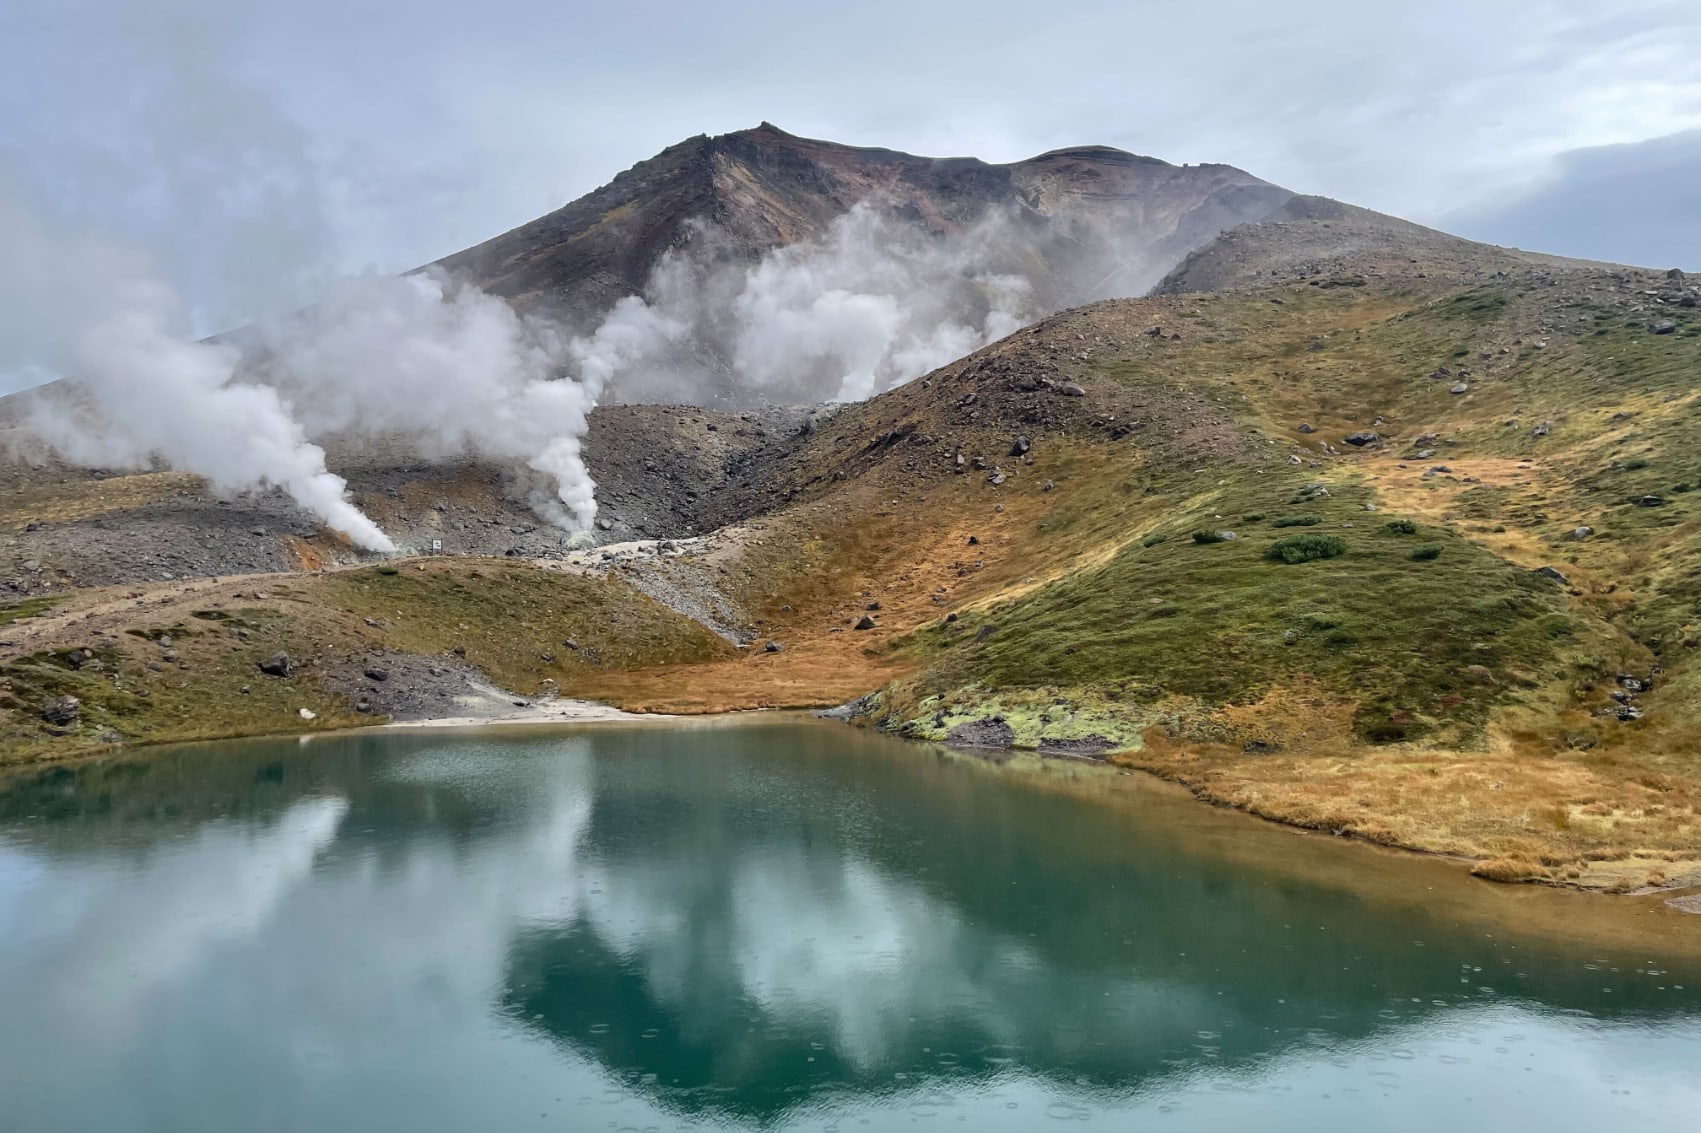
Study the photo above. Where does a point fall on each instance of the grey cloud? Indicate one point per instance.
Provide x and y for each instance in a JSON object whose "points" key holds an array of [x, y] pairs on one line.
{"points": [[1636, 204]]}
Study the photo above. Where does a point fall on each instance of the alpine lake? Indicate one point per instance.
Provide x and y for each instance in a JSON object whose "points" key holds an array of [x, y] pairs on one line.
{"points": [[780, 923]]}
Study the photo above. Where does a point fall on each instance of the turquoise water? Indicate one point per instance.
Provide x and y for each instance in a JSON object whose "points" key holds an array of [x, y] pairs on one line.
{"points": [[783, 925]]}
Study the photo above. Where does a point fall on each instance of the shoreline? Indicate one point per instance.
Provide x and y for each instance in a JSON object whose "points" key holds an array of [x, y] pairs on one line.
{"points": [[493, 709], [555, 711]]}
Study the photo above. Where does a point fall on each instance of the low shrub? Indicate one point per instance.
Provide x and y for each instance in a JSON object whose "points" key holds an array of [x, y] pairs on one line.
{"points": [[1296, 521], [1307, 548], [1154, 540], [1253, 517], [1427, 552], [1209, 537], [1402, 527]]}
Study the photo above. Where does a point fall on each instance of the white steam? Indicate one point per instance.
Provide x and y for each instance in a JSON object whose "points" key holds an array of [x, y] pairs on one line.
{"points": [[452, 367], [75, 304], [872, 303], [456, 370]]}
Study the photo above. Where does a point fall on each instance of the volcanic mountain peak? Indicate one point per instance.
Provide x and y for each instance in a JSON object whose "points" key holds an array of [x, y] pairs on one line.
{"points": [[1108, 222]]}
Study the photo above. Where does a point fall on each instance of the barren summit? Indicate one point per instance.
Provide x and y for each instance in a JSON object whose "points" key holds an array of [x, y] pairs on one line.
{"points": [[1347, 522]]}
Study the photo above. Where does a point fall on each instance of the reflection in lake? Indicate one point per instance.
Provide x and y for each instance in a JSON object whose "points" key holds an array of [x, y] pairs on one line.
{"points": [[774, 925]]}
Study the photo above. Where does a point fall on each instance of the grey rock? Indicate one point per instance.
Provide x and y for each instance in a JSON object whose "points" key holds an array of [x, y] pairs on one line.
{"points": [[1307, 427], [277, 665], [1651, 501], [1020, 446], [1664, 326], [992, 732], [1553, 573], [377, 674], [1362, 437], [1460, 387], [1582, 533], [774, 647], [62, 711], [1070, 389], [866, 622], [985, 631]]}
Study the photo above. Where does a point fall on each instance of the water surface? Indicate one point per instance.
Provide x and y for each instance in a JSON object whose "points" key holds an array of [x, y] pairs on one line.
{"points": [[781, 925]]}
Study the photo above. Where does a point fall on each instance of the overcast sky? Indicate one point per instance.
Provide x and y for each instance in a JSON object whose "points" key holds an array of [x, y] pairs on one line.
{"points": [[258, 145]]}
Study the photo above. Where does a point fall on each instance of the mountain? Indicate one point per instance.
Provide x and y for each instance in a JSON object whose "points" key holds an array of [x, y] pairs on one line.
{"points": [[763, 189], [1350, 523]]}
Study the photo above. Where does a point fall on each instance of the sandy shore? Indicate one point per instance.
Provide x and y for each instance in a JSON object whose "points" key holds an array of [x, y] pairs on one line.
{"points": [[483, 703], [543, 712]]}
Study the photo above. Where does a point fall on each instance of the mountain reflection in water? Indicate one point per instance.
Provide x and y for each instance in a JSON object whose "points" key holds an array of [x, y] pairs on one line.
{"points": [[747, 925]]}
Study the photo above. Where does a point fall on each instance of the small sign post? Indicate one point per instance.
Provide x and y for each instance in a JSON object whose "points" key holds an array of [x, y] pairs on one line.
{"points": [[437, 546]]}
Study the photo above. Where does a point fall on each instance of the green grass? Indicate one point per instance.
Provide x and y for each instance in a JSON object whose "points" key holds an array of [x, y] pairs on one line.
{"points": [[1408, 642], [1297, 521], [28, 608], [1297, 549], [507, 619]]}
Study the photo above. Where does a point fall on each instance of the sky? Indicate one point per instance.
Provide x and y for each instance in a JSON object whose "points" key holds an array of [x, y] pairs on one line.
{"points": [[258, 148]]}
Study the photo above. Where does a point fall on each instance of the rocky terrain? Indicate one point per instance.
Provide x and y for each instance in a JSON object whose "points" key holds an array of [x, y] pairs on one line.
{"points": [[1350, 524]]}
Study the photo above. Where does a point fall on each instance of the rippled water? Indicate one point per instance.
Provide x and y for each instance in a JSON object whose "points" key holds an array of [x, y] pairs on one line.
{"points": [[781, 926]]}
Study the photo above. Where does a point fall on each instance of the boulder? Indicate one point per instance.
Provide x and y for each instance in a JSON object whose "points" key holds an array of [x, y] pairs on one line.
{"points": [[1554, 574], [1307, 427], [62, 711], [1459, 387], [1664, 326], [278, 665], [1651, 501], [1070, 389], [991, 732], [377, 674], [773, 647], [1582, 533], [1362, 437], [1020, 446], [866, 622]]}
